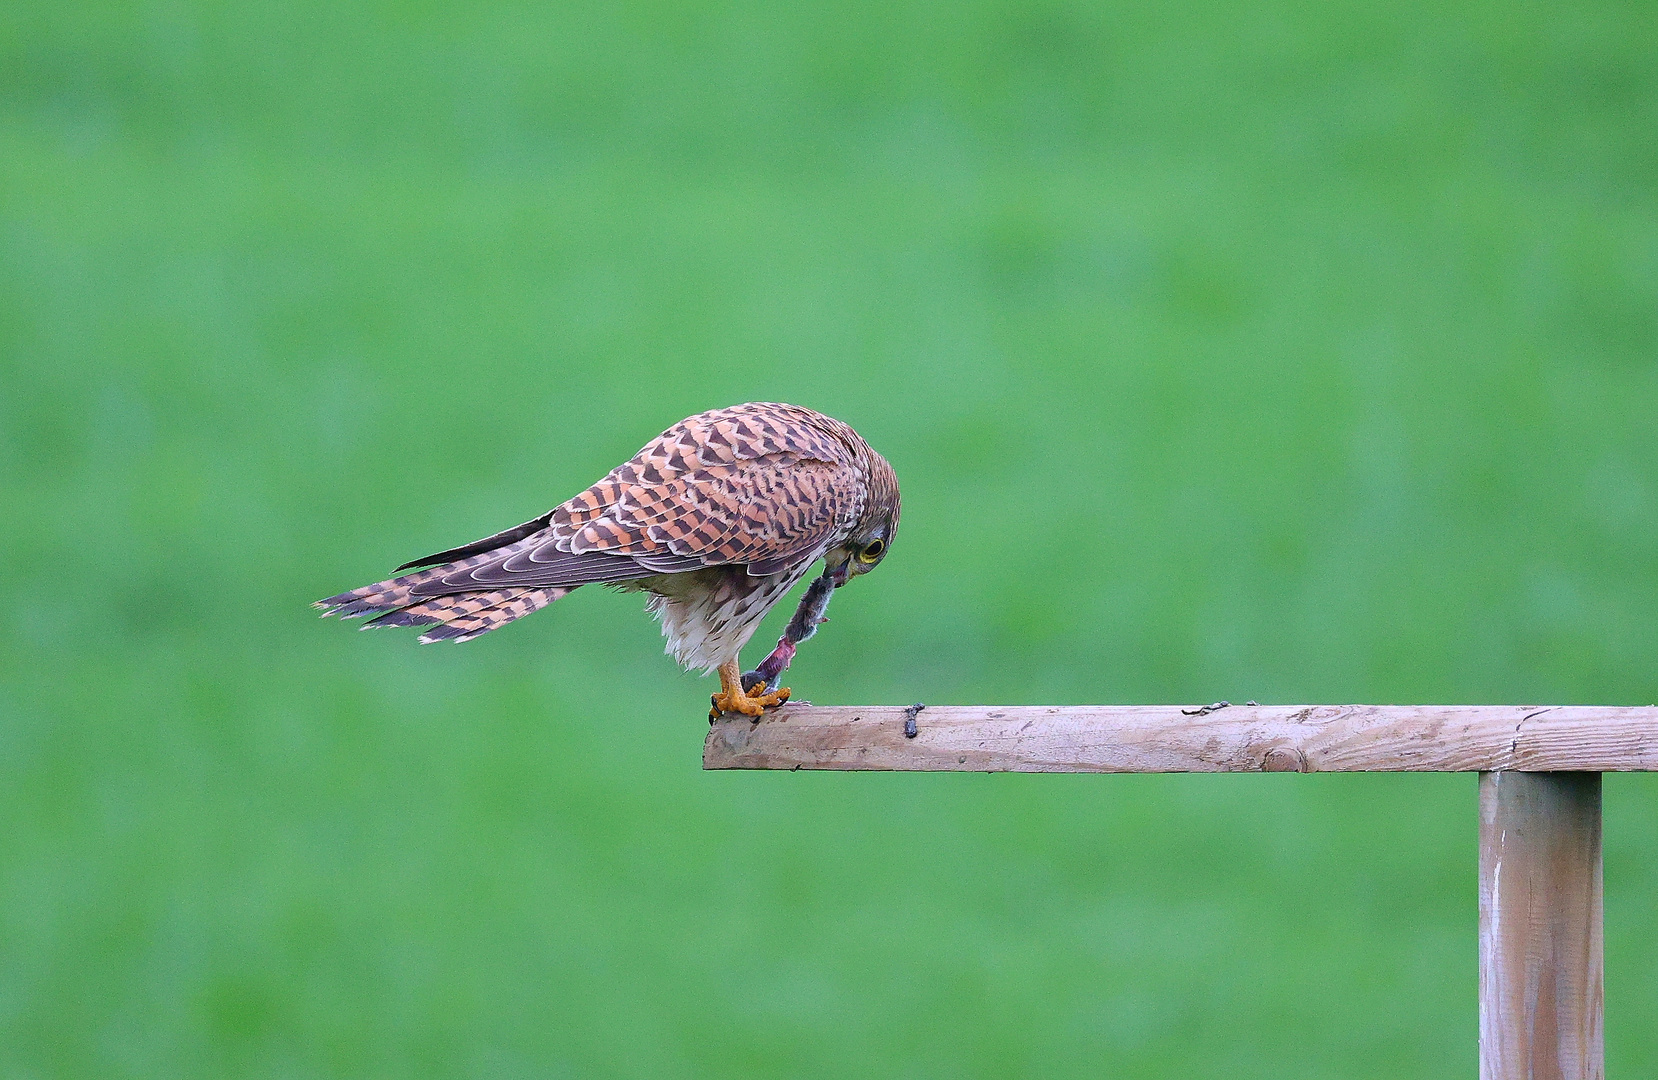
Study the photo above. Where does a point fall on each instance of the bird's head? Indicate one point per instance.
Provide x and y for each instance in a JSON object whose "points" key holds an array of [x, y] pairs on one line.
{"points": [[872, 538]]}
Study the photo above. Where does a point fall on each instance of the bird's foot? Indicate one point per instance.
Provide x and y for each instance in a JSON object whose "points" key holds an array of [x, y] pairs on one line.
{"points": [[738, 695], [741, 701]]}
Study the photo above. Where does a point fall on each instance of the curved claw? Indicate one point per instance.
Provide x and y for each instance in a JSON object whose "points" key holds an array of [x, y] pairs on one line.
{"points": [[747, 704], [733, 697]]}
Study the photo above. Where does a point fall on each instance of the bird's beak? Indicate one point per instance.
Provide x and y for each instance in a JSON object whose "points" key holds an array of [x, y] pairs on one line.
{"points": [[839, 573]]}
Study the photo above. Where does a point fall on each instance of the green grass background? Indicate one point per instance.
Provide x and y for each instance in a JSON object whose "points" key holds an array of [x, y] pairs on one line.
{"points": [[1290, 351]]}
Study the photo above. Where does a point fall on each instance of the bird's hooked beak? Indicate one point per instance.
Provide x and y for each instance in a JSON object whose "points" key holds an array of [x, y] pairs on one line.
{"points": [[839, 572]]}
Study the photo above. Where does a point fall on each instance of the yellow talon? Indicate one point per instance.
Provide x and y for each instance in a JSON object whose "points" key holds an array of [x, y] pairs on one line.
{"points": [[732, 697]]}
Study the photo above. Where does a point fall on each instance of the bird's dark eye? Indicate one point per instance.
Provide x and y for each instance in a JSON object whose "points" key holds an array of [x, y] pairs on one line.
{"points": [[872, 551]]}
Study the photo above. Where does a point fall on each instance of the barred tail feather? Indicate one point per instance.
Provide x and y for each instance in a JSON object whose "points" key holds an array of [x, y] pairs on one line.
{"points": [[464, 616], [379, 597], [458, 616], [473, 620], [398, 592]]}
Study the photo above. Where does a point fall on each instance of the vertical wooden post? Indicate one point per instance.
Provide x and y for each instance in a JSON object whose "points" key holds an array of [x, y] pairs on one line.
{"points": [[1540, 927]]}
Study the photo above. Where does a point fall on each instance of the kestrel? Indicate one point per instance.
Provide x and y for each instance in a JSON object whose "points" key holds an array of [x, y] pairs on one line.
{"points": [[715, 519]]}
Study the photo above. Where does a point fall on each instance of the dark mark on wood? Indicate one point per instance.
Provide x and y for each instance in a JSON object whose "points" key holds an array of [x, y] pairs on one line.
{"points": [[909, 719]]}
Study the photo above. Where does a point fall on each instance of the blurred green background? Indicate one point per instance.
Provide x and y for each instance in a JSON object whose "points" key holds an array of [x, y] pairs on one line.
{"points": [[1290, 351]]}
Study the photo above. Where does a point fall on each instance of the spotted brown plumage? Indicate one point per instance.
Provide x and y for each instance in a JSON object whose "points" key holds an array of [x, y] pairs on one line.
{"points": [[715, 519]]}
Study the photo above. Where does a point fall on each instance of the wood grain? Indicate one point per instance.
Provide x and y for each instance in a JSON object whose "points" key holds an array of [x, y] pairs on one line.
{"points": [[1162, 738], [1541, 983]]}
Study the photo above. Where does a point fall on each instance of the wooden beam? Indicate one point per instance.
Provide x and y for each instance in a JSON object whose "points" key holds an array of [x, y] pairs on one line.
{"points": [[1165, 738], [1540, 927]]}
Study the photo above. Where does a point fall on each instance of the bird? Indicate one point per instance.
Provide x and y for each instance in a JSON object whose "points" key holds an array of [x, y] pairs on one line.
{"points": [[715, 520]]}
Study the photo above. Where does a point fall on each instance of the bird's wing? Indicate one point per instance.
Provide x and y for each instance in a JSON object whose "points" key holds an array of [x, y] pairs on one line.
{"points": [[768, 514], [753, 485]]}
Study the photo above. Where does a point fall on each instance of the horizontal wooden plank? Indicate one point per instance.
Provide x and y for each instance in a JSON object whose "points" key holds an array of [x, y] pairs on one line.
{"points": [[1164, 738]]}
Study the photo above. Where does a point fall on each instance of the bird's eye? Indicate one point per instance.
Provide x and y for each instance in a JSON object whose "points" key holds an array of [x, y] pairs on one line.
{"points": [[872, 552]]}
